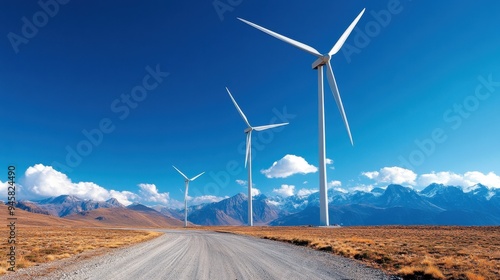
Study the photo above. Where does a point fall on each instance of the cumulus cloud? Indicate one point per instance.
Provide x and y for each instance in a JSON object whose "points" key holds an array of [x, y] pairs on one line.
{"points": [[334, 184], [205, 199], [306, 192], [124, 197], [242, 183], [40, 181], [255, 192], [341, 190], [305, 182], [149, 192], [45, 181], [398, 175], [467, 179], [3, 190], [392, 175], [285, 190], [371, 175], [362, 188], [330, 162], [288, 166]]}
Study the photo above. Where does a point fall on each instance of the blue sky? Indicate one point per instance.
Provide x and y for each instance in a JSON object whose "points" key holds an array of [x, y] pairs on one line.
{"points": [[420, 89]]}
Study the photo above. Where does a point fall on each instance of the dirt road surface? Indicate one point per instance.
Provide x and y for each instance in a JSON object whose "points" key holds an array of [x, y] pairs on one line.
{"points": [[186, 254]]}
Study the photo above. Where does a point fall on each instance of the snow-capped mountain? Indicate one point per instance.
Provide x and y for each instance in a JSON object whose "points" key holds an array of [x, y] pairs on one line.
{"points": [[436, 204], [234, 211], [65, 205]]}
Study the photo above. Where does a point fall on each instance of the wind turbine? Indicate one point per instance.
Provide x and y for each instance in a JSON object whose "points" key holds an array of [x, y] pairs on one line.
{"points": [[248, 153], [323, 59], [186, 180]]}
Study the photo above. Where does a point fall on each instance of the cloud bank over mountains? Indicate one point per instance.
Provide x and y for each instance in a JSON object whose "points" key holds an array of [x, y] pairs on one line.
{"points": [[40, 181], [401, 176]]}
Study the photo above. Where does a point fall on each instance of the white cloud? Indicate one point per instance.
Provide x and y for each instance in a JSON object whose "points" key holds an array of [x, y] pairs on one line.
{"points": [[124, 197], [285, 190], [255, 192], [3, 190], [371, 175], [205, 199], [341, 190], [41, 181], [491, 179], [334, 184], [150, 193], [45, 181], [306, 192], [288, 166], [392, 175], [467, 179], [362, 188], [305, 182], [445, 178], [242, 183], [330, 162]]}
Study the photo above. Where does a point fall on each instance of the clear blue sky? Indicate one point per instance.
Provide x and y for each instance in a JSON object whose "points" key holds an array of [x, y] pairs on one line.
{"points": [[405, 80]]}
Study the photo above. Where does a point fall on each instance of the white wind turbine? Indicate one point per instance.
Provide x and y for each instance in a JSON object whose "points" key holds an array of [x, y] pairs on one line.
{"points": [[186, 180], [248, 153], [323, 59]]}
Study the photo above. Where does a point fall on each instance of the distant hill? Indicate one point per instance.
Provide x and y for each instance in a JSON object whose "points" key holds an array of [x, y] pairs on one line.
{"points": [[65, 205], [26, 219], [133, 216], [97, 213], [31, 207]]}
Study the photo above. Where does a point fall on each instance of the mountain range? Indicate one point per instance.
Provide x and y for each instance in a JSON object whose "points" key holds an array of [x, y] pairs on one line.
{"points": [[107, 213], [437, 204]]}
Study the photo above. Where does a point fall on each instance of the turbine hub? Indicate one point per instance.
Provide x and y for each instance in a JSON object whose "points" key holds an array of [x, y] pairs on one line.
{"points": [[321, 61], [248, 130]]}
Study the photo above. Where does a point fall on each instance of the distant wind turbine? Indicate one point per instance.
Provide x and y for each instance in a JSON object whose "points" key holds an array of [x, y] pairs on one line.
{"points": [[248, 154], [323, 59], [186, 180]]}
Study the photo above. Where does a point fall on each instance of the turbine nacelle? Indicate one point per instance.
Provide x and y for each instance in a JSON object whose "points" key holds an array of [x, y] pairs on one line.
{"points": [[249, 129], [321, 61]]}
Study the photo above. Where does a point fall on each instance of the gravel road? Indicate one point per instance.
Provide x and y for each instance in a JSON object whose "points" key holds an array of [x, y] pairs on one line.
{"points": [[180, 254]]}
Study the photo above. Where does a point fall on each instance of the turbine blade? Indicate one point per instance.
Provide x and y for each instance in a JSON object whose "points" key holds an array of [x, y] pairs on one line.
{"points": [[194, 178], [346, 34], [297, 44], [185, 177], [249, 146], [338, 100], [264, 127], [238, 108]]}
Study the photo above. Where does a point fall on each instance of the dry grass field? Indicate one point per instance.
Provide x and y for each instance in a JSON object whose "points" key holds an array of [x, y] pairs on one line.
{"points": [[37, 245], [421, 252]]}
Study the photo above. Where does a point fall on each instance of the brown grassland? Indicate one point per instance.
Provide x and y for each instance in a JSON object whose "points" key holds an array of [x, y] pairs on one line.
{"points": [[417, 252], [36, 245]]}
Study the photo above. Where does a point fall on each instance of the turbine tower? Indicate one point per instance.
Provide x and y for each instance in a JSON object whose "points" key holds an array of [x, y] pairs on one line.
{"points": [[186, 181], [323, 59], [248, 153]]}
